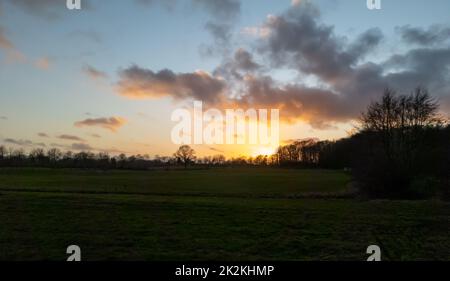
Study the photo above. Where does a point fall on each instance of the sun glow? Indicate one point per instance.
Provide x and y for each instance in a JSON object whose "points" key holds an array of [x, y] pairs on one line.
{"points": [[264, 150]]}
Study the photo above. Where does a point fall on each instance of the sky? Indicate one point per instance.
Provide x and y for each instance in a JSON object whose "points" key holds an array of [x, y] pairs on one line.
{"points": [[107, 78]]}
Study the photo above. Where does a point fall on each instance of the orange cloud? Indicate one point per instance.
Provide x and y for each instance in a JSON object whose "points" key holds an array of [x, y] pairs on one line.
{"points": [[111, 123], [12, 54], [42, 63], [5, 43], [141, 83]]}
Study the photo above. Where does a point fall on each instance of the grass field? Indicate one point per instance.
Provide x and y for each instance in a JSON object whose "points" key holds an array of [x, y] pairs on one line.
{"points": [[217, 214]]}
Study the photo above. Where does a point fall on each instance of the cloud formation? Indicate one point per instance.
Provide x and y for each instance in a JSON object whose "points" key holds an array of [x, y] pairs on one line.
{"points": [[236, 67], [22, 142], [5, 43], [70, 137], [344, 78], [435, 34], [141, 83], [223, 14], [94, 73], [12, 53], [42, 63], [81, 146], [111, 123], [297, 40]]}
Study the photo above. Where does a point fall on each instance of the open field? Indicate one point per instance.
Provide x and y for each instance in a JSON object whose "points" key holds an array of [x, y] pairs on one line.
{"points": [[237, 214], [238, 182]]}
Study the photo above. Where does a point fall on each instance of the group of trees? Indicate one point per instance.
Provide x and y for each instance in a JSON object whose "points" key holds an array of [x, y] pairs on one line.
{"points": [[404, 147], [401, 149]]}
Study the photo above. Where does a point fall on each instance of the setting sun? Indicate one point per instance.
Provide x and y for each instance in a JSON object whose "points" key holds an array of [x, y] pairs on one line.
{"points": [[264, 150]]}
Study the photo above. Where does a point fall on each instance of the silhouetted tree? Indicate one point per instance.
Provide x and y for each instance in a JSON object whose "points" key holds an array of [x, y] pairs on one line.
{"points": [[395, 143], [2, 152], [185, 154], [37, 156], [54, 155]]}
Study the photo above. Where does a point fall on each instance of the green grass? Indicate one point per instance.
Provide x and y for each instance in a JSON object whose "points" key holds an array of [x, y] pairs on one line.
{"points": [[40, 225], [243, 182]]}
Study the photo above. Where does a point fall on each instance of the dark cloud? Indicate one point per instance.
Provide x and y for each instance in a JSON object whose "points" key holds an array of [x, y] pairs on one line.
{"points": [[137, 82], [18, 142], [73, 146], [94, 73], [223, 15], [221, 32], [43, 135], [365, 43], [70, 137], [435, 34], [237, 66], [81, 146], [298, 40], [111, 123], [3, 118], [243, 60], [86, 147], [22, 142], [425, 67]]}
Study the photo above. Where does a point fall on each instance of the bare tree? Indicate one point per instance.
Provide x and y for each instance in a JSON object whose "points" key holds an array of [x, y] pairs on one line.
{"points": [[185, 154], [2, 152], [37, 155], [399, 140], [218, 159], [394, 112], [54, 155]]}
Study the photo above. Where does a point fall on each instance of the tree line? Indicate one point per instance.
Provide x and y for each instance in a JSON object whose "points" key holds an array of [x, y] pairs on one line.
{"points": [[184, 157], [401, 149]]}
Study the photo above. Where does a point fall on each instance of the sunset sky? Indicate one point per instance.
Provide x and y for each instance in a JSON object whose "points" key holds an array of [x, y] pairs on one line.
{"points": [[107, 77]]}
